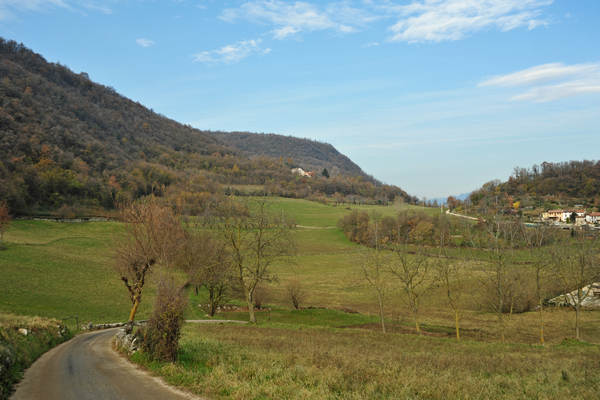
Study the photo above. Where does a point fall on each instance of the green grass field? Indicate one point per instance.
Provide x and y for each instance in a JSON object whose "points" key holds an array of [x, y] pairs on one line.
{"points": [[61, 270]]}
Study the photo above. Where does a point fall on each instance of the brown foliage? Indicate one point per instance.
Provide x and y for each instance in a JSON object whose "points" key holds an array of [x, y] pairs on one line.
{"points": [[153, 235], [207, 263], [296, 293], [161, 335]]}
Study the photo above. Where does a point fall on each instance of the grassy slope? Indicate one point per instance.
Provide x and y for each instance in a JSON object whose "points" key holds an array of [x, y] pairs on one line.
{"points": [[60, 270], [18, 351]]}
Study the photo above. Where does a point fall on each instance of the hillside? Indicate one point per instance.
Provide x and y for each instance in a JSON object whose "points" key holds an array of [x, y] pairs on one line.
{"points": [[305, 153], [67, 141], [544, 186]]}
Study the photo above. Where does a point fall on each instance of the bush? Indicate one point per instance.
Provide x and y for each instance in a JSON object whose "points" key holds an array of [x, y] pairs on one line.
{"points": [[296, 293], [261, 296], [161, 335]]}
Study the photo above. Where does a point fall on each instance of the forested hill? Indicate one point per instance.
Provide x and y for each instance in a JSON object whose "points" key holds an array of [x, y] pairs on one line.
{"points": [[307, 154], [67, 141], [544, 186]]}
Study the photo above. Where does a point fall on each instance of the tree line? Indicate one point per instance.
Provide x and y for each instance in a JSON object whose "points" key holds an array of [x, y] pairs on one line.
{"points": [[548, 185], [523, 267]]}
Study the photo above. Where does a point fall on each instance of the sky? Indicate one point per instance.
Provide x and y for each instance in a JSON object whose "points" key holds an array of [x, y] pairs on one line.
{"points": [[435, 96]]}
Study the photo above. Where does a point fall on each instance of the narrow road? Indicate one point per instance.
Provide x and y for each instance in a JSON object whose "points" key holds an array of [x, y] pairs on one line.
{"points": [[87, 368]]}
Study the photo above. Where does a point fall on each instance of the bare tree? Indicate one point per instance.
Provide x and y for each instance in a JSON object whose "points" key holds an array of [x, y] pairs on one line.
{"points": [[255, 243], [373, 270], [577, 266], [496, 283], [4, 220], [153, 234], [413, 273], [206, 262], [296, 293], [535, 238], [449, 274]]}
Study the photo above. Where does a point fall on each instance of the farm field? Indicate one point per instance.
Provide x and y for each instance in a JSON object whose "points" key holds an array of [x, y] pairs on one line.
{"points": [[332, 348], [61, 270]]}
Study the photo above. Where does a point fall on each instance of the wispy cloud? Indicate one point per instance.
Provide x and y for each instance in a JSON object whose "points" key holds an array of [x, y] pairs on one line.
{"points": [[291, 18], [10, 8], [550, 82], [446, 20], [231, 53], [144, 42]]}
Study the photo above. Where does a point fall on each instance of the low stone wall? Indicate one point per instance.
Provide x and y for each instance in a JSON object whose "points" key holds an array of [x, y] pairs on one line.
{"points": [[125, 342], [95, 327]]}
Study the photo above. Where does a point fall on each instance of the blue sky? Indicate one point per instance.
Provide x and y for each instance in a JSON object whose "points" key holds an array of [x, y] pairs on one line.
{"points": [[436, 96]]}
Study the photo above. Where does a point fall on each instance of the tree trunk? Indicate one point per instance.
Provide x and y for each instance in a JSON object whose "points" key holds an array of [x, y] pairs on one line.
{"points": [[251, 308], [136, 304], [577, 335], [417, 326], [542, 341], [380, 298], [501, 323], [456, 324]]}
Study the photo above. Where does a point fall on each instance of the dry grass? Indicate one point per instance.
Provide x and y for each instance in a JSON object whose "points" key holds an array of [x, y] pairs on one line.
{"points": [[278, 363]]}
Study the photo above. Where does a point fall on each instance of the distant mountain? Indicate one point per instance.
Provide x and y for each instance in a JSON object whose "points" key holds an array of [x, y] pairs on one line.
{"points": [[305, 153], [67, 141], [444, 200]]}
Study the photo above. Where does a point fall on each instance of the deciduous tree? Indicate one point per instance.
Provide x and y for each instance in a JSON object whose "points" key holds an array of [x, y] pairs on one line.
{"points": [[207, 263], [577, 268], [374, 268], [412, 271], [255, 242], [153, 235]]}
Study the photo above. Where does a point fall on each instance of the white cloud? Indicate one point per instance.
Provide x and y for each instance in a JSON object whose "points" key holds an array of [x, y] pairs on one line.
{"points": [[550, 82], [144, 42], [291, 18], [231, 53], [9, 8], [443, 20]]}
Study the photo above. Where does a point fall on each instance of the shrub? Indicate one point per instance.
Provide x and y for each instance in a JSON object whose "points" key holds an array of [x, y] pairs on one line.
{"points": [[261, 296], [161, 335], [296, 293]]}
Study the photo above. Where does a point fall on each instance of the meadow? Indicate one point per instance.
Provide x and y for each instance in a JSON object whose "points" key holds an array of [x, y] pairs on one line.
{"points": [[332, 347]]}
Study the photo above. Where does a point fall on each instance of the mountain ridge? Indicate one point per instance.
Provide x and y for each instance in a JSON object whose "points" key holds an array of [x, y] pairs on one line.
{"points": [[65, 140]]}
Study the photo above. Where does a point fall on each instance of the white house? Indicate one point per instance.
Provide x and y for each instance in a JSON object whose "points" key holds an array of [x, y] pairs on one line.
{"points": [[593, 218], [566, 214], [301, 172]]}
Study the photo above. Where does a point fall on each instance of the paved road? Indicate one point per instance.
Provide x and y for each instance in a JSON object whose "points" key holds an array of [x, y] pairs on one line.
{"points": [[86, 368]]}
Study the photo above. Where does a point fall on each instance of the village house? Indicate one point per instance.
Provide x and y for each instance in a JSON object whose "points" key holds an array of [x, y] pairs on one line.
{"points": [[566, 215], [554, 215], [301, 172], [593, 218], [581, 217]]}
